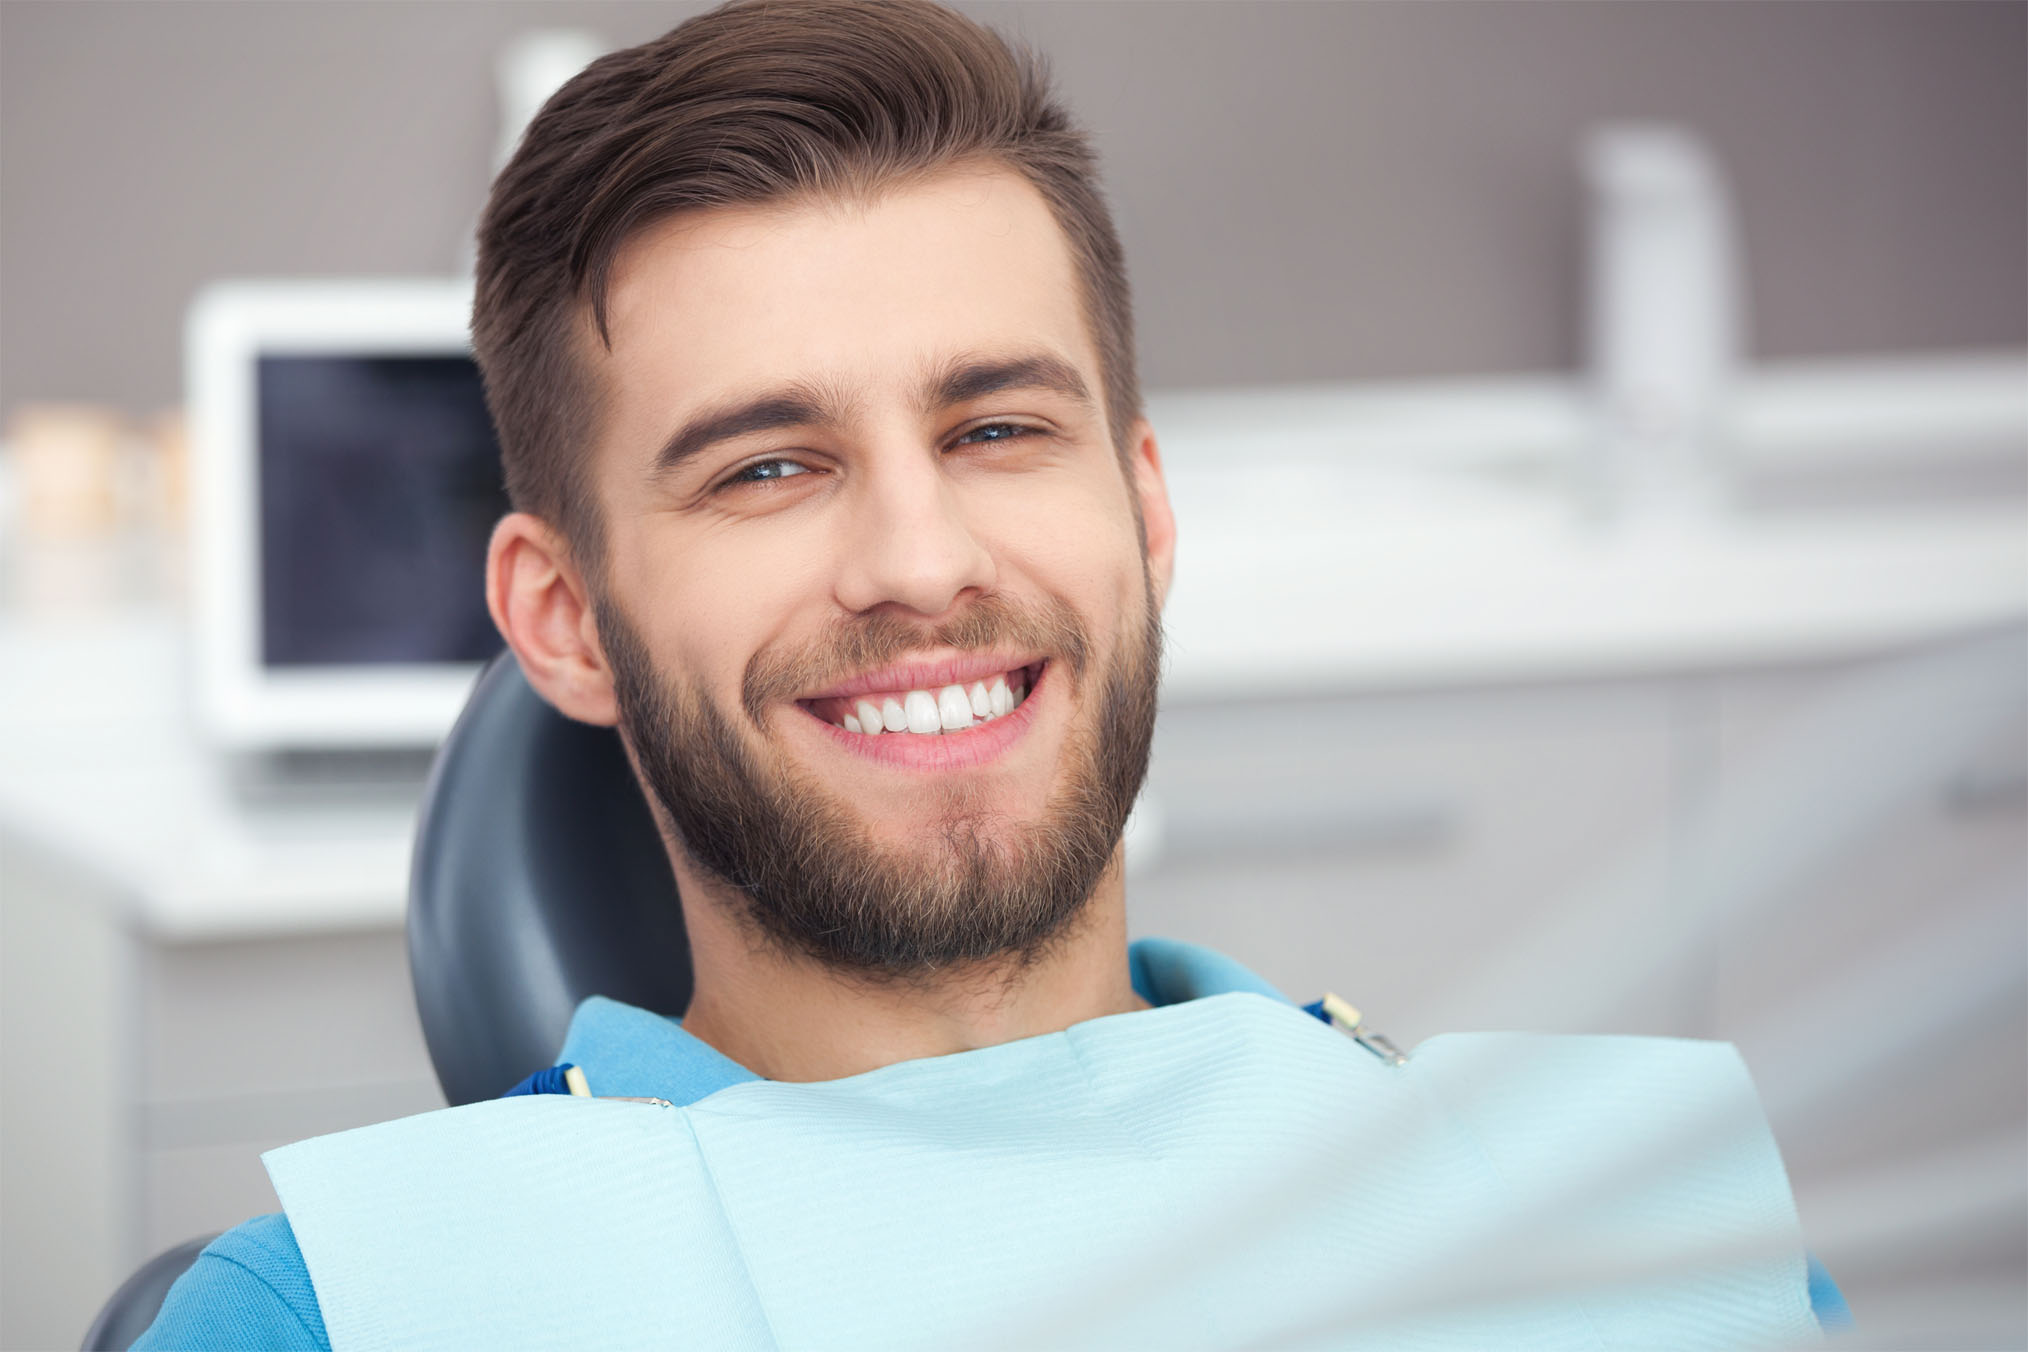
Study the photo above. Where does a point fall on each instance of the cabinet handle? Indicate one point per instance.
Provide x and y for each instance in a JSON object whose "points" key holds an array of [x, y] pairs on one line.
{"points": [[1986, 792], [1389, 827]]}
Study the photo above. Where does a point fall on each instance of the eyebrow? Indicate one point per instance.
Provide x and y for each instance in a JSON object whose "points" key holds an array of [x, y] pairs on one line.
{"points": [[965, 380], [804, 405], [796, 406]]}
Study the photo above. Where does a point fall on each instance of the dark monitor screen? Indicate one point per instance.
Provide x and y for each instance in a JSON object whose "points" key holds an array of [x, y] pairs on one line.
{"points": [[380, 482]]}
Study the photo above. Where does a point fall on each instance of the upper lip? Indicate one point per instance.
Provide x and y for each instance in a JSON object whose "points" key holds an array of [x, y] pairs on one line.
{"points": [[931, 673]]}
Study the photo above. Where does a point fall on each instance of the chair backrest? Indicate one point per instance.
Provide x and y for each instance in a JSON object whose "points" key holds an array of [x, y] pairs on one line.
{"points": [[539, 879]]}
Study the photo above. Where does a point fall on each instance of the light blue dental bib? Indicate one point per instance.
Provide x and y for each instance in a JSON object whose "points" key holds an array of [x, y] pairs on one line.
{"points": [[1223, 1172]]}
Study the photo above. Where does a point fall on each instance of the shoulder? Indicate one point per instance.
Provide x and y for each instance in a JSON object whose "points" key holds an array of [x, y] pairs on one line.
{"points": [[249, 1289]]}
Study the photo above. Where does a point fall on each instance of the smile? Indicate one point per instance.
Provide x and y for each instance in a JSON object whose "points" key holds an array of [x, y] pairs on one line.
{"points": [[928, 710]]}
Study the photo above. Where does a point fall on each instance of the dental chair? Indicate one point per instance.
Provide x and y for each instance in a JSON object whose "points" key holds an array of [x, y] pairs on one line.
{"points": [[538, 880]]}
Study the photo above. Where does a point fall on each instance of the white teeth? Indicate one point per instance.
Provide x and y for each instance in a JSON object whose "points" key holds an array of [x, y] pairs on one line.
{"points": [[950, 709], [954, 710], [922, 712]]}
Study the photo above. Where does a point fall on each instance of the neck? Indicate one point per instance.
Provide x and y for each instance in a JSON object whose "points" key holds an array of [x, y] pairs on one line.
{"points": [[786, 1017]]}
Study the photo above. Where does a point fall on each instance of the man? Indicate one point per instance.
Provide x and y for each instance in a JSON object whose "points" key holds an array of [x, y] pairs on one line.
{"points": [[807, 336]]}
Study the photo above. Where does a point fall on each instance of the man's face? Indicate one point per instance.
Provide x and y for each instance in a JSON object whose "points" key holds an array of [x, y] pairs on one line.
{"points": [[854, 464]]}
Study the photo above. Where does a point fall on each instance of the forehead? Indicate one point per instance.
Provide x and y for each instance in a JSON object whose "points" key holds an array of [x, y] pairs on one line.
{"points": [[866, 296]]}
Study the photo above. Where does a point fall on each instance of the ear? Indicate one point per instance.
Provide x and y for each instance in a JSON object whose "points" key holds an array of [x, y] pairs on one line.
{"points": [[541, 606], [1158, 522]]}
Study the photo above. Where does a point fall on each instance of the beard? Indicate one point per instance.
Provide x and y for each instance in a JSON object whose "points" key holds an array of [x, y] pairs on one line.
{"points": [[970, 885]]}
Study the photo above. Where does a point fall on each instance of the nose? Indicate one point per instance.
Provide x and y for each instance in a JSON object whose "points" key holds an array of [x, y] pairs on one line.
{"points": [[909, 543]]}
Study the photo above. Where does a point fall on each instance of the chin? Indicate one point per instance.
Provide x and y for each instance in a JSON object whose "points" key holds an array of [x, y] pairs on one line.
{"points": [[924, 820]]}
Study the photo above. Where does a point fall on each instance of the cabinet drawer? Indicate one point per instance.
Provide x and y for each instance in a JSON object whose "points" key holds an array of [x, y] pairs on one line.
{"points": [[254, 1017], [1388, 847], [1914, 922]]}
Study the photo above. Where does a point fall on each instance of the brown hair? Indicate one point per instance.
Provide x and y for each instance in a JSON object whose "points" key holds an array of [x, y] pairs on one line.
{"points": [[757, 101]]}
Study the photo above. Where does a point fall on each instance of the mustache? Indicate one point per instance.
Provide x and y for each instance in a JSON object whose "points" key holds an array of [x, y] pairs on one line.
{"points": [[852, 644]]}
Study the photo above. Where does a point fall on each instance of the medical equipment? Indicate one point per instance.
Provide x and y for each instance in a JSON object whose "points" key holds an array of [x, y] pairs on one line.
{"points": [[344, 481]]}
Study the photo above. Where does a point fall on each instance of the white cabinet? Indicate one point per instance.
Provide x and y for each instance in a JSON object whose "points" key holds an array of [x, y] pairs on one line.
{"points": [[140, 1080]]}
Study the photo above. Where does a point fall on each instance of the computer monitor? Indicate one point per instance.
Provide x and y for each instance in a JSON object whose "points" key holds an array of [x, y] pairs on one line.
{"points": [[344, 481]]}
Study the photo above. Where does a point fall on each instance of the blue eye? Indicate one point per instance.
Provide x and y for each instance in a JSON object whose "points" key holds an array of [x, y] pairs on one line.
{"points": [[995, 432], [760, 471]]}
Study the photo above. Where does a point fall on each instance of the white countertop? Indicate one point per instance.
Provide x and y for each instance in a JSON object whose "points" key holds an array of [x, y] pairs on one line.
{"points": [[1354, 538], [1370, 599], [100, 768]]}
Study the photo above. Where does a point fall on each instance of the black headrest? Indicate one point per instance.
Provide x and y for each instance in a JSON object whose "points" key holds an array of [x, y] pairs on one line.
{"points": [[538, 879]]}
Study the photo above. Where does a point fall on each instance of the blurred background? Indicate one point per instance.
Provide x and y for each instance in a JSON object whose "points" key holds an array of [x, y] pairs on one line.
{"points": [[1599, 434]]}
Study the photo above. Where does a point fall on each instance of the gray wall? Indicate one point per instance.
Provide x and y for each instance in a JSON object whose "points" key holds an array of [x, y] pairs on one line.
{"points": [[1309, 191]]}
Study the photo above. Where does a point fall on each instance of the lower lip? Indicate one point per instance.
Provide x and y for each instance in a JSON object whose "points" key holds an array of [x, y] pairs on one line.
{"points": [[966, 749]]}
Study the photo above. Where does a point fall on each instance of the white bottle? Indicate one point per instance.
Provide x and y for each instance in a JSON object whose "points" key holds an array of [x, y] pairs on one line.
{"points": [[1664, 322], [532, 66]]}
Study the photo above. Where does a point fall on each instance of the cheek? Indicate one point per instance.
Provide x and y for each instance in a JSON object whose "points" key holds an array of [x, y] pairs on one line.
{"points": [[1081, 545], [707, 606]]}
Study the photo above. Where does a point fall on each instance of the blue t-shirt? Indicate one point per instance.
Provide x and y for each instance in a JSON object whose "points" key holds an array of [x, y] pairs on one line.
{"points": [[251, 1289]]}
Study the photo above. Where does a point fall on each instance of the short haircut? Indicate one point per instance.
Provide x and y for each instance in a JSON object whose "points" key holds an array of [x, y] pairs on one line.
{"points": [[756, 102]]}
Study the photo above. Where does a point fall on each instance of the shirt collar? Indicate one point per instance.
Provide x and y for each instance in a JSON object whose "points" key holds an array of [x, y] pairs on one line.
{"points": [[629, 1052]]}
